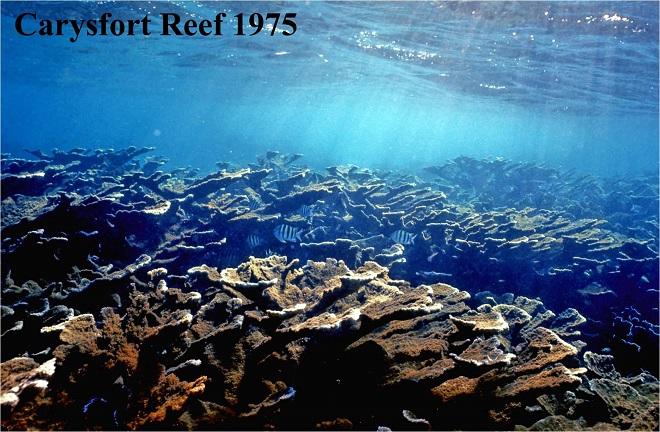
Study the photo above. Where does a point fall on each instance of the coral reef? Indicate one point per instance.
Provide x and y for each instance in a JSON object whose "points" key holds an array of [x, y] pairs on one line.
{"points": [[481, 296]]}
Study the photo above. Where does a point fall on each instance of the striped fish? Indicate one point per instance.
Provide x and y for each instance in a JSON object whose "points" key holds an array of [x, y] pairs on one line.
{"points": [[287, 233], [306, 211], [230, 258], [253, 240], [253, 203], [403, 237]]}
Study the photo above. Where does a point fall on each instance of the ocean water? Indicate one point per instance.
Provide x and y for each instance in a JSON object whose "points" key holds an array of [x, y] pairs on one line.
{"points": [[404, 216], [394, 84]]}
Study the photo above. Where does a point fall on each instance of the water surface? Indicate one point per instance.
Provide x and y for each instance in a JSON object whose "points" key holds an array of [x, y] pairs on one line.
{"points": [[392, 84]]}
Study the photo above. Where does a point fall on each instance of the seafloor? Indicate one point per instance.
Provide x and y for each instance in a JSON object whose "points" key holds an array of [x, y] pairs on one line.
{"points": [[478, 294]]}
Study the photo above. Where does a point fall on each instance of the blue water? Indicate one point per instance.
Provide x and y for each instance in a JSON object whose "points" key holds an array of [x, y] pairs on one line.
{"points": [[398, 84]]}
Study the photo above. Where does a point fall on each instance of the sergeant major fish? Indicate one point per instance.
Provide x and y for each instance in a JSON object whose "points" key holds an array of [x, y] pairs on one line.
{"points": [[253, 203], [403, 237], [287, 233], [253, 240], [306, 211]]}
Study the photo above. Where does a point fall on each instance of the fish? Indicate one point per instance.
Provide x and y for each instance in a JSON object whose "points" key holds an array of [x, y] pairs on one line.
{"points": [[306, 211], [287, 233], [403, 237], [230, 257], [253, 203], [253, 240]]}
